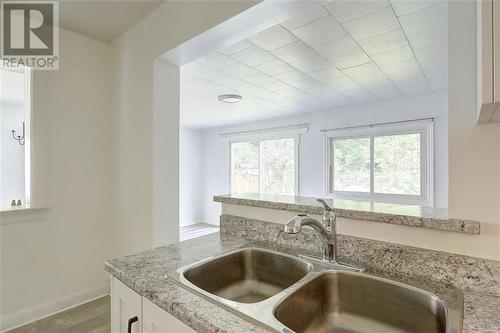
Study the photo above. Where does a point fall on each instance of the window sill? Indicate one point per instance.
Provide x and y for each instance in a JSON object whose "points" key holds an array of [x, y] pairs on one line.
{"points": [[22, 214]]}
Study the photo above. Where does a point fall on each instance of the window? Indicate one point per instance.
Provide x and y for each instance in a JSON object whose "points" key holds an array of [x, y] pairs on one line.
{"points": [[387, 163], [15, 106], [264, 166]]}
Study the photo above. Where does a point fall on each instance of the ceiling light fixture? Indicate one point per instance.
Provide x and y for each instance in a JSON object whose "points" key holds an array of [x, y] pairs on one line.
{"points": [[230, 98]]}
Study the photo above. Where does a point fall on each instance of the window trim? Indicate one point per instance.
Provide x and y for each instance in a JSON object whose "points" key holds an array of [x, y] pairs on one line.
{"points": [[424, 127], [28, 115], [289, 132]]}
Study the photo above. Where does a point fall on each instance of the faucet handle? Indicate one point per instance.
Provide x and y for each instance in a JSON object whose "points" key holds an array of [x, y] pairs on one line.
{"points": [[327, 208]]}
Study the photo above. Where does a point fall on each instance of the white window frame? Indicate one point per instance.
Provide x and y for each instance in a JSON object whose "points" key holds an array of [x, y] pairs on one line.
{"points": [[28, 100], [289, 132], [426, 130]]}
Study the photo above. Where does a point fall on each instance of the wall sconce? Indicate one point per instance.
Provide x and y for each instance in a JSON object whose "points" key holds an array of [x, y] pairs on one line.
{"points": [[19, 138]]}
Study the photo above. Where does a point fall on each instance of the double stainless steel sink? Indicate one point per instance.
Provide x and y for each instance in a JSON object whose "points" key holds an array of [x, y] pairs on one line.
{"points": [[291, 294]]}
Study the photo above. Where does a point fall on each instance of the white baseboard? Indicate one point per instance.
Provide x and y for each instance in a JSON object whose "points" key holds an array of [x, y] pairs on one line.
{"points": [[16, 318]]}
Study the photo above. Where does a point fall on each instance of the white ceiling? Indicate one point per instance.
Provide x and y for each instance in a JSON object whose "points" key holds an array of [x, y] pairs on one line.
{"points": [[338, 54], [103, 19]]}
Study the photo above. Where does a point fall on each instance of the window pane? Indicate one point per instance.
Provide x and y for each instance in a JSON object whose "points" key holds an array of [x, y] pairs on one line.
{"points": [[351, 165], [12, 152], [278, 164], [397, 164], [245, 167]]}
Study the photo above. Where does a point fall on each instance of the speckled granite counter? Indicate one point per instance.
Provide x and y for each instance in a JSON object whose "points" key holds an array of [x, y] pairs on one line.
{"points": [[145, 273], [414, 216]]}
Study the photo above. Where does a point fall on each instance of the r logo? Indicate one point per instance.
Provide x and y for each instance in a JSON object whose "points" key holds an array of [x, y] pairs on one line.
{"points": [[28, 28], [29, 31]]}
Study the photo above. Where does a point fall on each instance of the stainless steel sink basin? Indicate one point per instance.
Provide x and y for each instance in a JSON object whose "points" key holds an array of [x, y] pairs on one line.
{"points": [[344, 302], [287, 294], [248, 275]]}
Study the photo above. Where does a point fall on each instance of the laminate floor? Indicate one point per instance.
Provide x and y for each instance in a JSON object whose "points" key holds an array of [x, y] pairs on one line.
{"points": [[91, 317]]}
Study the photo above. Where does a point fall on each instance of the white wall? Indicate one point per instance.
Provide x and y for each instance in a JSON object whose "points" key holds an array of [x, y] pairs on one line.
{"points": [[312, 146], [191, 177], [133, 161], [56, 260], [474, 158]]}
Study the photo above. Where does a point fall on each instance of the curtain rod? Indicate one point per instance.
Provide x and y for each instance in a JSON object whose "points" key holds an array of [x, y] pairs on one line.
{"points": [[266, 130], [378, 124]]}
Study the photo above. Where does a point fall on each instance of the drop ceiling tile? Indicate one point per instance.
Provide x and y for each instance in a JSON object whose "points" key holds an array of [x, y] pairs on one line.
{"points": [[337, 100], [233, 83], [405, 66], [274, 67], [319, 31], [395, 55], [259, 92], [292, 76], [240, 46], [267, 82], [361, 96], [240, 70], [305, 98], [216, 60], [304, 18], [350, 60], [325, 73], [412, 85], [433, 37], [345, 11], [403, 7], [371, 79], [371, 25], [433, 53], [437, 75], [438, 81], [362, 70], [425, 19], [293, 51], [342, 83], [207, 89], [290, 103], [337, 47], [310, 64], [384, 90], [273, 38], [307, 85], [384, 42], [209, 74], [252, 56]]}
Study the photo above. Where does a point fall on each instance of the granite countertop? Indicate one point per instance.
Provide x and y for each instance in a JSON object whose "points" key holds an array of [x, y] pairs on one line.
{"points": [[145, 273], [409, 215]]}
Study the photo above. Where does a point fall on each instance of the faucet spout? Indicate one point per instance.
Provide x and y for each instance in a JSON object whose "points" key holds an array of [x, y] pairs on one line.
{"points": [[294, 226]]}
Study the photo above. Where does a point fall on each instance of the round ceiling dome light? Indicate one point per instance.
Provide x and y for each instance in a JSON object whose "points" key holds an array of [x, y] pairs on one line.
{"points": [[230, 98]]}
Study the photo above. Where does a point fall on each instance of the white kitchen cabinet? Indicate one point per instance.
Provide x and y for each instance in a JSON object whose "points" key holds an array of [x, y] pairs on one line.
{"points": [[488, 60], [143, 315], [126, 309], [157, 320]]}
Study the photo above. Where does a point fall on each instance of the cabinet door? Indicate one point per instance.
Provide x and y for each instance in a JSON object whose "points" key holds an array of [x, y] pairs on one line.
{"points": [[126, 309], [157, 320]]}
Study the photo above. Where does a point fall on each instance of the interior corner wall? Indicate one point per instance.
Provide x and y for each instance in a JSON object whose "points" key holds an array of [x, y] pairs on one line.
{"points": [[54, 260], [134, 52], [191, 181], [474, 150], [312, 146], [166, 118]]}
